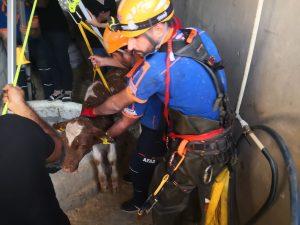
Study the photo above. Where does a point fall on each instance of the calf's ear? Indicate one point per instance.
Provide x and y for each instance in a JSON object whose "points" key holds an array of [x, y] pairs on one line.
{"points": [[61, 126]]}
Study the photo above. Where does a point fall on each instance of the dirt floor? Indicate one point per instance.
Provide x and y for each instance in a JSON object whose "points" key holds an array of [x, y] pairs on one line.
{"points": [[104, 209]]}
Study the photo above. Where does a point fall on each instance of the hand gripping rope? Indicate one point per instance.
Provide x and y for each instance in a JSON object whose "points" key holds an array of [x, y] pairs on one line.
{"points": [[71, 5], [16, 77]]}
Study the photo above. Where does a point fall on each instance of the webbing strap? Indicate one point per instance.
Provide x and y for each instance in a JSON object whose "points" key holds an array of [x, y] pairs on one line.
{"points": [[181, 152], [16, 77], [135, 67], [168, 75], [88, 28], [97, 69], [200, 137], [167, 82]]}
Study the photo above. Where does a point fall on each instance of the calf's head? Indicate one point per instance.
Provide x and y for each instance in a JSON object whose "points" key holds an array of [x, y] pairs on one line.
{"points": [[79, 135]]}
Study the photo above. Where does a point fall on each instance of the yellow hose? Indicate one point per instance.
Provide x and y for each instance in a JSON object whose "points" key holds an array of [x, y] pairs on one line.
{"points": [[217, 212]]}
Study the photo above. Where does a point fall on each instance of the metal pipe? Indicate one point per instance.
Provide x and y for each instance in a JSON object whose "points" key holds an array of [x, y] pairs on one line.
{"points": [[23, 22], [250, 56], [87, 16], [11, 40]]}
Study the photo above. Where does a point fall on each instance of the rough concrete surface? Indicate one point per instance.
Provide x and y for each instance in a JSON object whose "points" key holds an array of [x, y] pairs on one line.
{"points": [[272, 93], [104, 209]]}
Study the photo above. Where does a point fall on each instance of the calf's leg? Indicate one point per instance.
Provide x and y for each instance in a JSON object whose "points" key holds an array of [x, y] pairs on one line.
{"points": [[98, 159], [112, 159]]}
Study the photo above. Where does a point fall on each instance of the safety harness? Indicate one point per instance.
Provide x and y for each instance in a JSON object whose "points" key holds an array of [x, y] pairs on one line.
{"points": [[191, 46], [184, 129]]}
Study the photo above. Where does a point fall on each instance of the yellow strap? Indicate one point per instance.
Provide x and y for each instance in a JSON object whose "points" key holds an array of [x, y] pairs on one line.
{"points": [[92, 53], [105, 141], [61, 129], [217, 212], [181, 151], [88, 28], [162, 183], [16, 77]]}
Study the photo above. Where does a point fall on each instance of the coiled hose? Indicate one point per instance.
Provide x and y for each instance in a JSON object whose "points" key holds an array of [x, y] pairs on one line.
{"points": [[292, 178]]}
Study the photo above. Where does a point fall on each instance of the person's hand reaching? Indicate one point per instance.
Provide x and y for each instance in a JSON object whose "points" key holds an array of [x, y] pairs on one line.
{"points": [[97, 60], [14, 97]]}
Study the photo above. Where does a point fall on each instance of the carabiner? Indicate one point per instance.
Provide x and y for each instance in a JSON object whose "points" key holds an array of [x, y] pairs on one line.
{"points": [[208, 173]]}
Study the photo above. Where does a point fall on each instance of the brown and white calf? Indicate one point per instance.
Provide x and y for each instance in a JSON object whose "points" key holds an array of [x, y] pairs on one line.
{"points": [[81, 135]]}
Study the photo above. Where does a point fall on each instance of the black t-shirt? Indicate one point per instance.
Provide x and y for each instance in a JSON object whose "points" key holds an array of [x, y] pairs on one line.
{"points": [[96, 7], [27, 195], [52, 17]]}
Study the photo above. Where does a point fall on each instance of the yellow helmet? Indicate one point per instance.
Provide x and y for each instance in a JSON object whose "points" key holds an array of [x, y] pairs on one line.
{"points": [[19, 57], [113, 40], [135, 17]]}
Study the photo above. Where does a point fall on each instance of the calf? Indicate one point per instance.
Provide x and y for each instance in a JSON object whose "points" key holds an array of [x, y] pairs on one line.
{"points": [[82, 134]]}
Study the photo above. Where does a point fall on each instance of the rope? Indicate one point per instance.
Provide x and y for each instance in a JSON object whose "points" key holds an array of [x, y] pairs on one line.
{"points": [[88, 28], [16, 77], [80, 26], [71, 6]]}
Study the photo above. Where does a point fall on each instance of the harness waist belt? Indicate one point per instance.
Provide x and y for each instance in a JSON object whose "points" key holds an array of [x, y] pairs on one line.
{"points": [[191, 125]]}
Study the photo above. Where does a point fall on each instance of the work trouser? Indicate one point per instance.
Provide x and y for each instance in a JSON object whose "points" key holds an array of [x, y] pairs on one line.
{"points": [[58, 44], [39, 56], [176, 202], [23, 81], [149, 148]]}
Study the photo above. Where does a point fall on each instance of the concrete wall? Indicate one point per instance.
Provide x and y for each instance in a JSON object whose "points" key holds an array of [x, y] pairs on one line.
{"points": [[272, 94]]}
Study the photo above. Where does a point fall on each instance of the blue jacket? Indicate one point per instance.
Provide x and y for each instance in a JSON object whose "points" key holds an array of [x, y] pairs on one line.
{"points": [[192, 91]]}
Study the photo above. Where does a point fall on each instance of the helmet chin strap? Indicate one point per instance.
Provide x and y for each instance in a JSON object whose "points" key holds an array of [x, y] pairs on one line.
{"points": [[156, 44]]}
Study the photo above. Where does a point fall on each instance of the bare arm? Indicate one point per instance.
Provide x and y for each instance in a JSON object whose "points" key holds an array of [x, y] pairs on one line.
{"points": [[121, 125], [3, 35], [14, 96], [114, 104], [105, 61]]}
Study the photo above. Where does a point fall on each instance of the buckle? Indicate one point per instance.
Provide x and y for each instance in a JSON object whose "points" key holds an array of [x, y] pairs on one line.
{"points": [[208, 173], [198, 146], [114, 24]]}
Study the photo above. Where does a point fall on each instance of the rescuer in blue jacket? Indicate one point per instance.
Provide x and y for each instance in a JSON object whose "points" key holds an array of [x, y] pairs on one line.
{"points": [[150, 145], [184, 70]]}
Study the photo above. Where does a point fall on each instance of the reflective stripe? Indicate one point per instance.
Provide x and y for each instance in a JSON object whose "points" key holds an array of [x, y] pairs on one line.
{"points": [[133, 170], [133, 97]]}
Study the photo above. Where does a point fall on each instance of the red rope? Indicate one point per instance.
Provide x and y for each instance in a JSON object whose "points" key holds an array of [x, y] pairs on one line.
{"points": [[167, 81]]}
